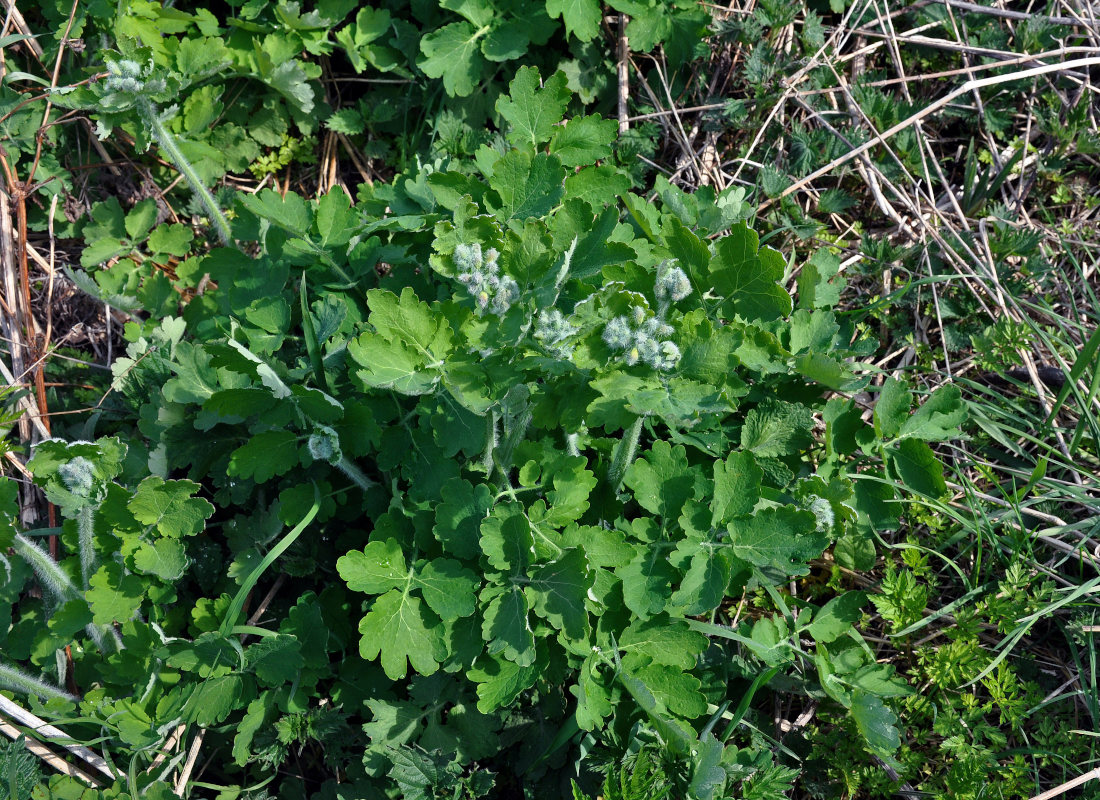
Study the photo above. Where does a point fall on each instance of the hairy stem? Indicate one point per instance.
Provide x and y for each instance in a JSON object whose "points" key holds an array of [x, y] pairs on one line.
{"points": [[354, 474], [168, 144], [85, 526], [623, 455], [53, 579], [19, 681]]}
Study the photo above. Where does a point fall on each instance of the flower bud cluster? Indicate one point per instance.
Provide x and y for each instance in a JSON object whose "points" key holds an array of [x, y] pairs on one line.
{"points": [[552, 329], [642, 338], [481, 276], [324, 444], [78, 475]]}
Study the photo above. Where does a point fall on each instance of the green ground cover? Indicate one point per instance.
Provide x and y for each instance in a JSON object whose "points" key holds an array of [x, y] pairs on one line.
{"points": [[493, 399]]}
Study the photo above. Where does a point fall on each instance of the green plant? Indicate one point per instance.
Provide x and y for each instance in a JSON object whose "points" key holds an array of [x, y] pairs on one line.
{"points": [[545, 467]]}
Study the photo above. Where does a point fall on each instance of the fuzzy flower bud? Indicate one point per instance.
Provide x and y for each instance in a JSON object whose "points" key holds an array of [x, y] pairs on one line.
{"points": [[467, 257], [78, 475], [324, 444], [823, 510], [672, 283]]}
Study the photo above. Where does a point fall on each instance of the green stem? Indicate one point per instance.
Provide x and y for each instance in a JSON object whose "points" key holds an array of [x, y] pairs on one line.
{"points": [[17, 680], [623, 455], [53, 579], [85, 526], [354, 474], [168, 144]]}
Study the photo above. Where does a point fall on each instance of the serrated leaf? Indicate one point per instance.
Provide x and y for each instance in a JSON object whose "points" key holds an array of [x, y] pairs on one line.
{"points": [[165, 558], [448, 588], [876, 722], [214, 699], [837, 616], [506, 540], [500, 682], [748, 276], [506, 41], [584, 140], [662, 480], [532, 111], [114, 597], [917, 467], [665, 640], [528, 186], [559, 591], [400, 631], [708, 778], [458, 518], [264, 456], [818, 284], [453, 53], [377, 568], [736, 486], [169, 507], [506, 627], [891, 408], [581, 17], [783, 538], [939, 418], [647, 582], [777, 428], [675, 690], [704, 583], [275, 659]]}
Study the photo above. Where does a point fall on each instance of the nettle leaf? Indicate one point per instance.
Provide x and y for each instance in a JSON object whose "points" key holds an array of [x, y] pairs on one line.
{"points": [[783, 538], [748, 276], [777, 428], [533, 112]]}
